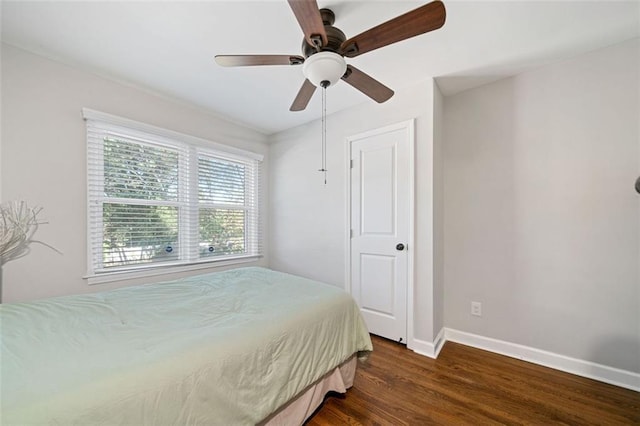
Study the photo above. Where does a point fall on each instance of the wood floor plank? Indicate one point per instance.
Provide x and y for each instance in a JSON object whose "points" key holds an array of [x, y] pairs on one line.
{"points": [[469, 386]]}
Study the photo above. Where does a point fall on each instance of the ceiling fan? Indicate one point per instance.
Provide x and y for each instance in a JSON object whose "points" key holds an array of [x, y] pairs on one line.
{"points": [[325, 46]]}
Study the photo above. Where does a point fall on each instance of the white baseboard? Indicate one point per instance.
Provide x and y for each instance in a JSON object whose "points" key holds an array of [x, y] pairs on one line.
{"points": [[603, 373], [422, 347], [425, 348]]}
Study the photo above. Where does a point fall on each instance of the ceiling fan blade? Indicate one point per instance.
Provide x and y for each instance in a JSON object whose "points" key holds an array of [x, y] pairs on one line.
{"points": [[310, 20], [367, 84], [251, 60], [427, 18], [303, 97]]}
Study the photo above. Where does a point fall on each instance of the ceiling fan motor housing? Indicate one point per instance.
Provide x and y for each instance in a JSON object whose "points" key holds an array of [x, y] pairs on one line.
{"points": [[335, 37]]}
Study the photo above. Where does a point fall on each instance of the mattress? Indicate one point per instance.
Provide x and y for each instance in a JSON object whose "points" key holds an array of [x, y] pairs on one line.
{"points": [[226, 348]]}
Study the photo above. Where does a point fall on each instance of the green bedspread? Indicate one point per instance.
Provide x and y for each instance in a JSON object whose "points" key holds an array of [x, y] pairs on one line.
{"points": [[224, 348]]}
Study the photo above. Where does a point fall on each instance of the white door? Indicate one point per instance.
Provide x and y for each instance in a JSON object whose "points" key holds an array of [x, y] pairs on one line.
{"points": [[381, 186]]}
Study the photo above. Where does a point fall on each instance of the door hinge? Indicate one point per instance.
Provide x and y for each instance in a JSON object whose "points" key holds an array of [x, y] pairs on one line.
{"points": [[351, 164], [350, 233]]}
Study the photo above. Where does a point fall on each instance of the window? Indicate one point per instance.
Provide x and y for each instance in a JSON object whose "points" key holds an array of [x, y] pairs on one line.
{"points": [[159, 198]]}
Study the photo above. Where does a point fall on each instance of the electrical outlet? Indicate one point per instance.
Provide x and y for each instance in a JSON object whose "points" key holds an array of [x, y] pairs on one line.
{"points": [[476, 309]]}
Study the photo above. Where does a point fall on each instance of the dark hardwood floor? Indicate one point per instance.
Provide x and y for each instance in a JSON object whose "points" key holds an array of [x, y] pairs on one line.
{"points": [[471, 386]]}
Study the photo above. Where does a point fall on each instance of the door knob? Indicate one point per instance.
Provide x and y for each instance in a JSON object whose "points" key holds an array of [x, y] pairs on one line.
{"points": [[400, 247]]}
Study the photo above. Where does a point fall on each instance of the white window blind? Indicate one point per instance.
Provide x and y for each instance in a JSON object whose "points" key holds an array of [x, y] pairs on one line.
{"points": [[158, 198]]}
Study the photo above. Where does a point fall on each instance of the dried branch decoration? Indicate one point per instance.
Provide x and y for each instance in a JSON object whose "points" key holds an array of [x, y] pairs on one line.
{"points": [[18, 223]]}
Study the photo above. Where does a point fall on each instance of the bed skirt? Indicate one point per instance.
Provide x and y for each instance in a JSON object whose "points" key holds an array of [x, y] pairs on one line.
{"points": [[299, 409]]}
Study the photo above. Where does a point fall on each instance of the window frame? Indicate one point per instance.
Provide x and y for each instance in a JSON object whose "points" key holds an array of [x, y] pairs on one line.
{"points": [[188, 202]]}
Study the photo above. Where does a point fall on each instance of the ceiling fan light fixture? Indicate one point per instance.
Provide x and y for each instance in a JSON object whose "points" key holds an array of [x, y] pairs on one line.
{"points": [[324, 66]]}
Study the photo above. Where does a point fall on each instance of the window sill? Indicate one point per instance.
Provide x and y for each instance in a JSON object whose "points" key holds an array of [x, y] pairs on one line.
{"points": [[151, 271]]}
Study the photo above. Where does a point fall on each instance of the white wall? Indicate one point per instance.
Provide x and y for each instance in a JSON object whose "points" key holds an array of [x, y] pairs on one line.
{"points": [[542, 224], [308, 218], [44, 157]]}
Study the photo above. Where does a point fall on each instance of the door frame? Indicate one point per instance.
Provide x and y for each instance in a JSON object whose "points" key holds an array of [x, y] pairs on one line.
{"points": [[409, 127]]}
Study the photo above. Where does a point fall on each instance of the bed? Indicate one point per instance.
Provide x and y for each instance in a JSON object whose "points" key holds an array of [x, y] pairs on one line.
{"points": [[241, 347]]}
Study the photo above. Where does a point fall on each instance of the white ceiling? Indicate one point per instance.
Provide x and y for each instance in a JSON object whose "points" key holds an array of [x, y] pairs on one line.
{"points": [[168, 47]]}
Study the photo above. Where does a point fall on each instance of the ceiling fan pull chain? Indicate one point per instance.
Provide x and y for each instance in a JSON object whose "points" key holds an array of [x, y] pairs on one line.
{"points": [[324, 132]]}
